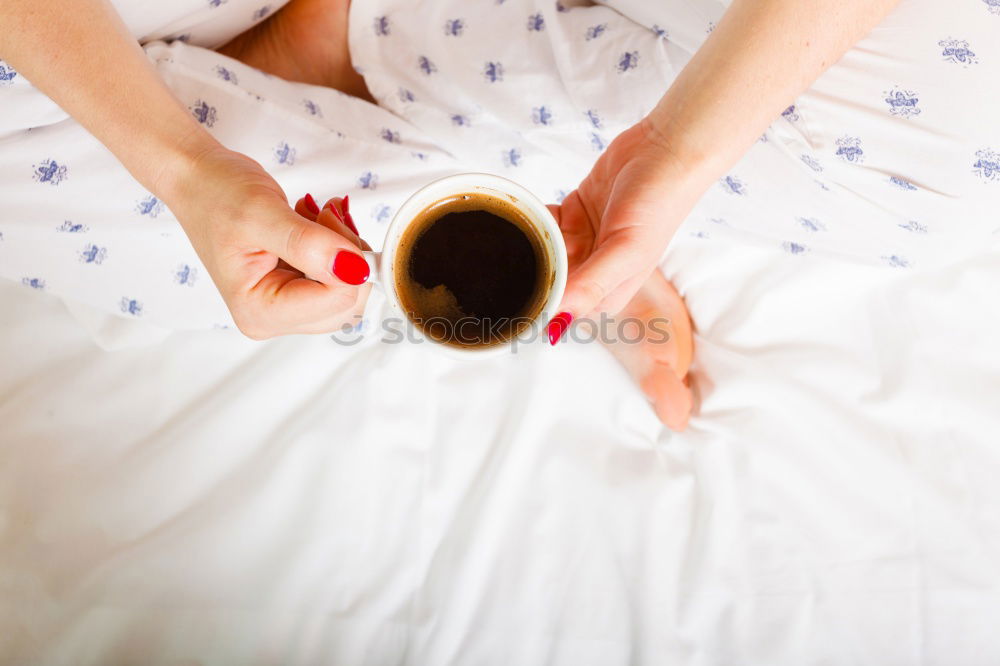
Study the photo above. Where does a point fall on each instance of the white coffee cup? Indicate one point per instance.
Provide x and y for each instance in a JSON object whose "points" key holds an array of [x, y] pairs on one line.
{"points": [[382, 263]]}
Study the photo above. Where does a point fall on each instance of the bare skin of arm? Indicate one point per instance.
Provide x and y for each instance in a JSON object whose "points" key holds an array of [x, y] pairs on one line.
{"points": [[761, 56], [256, 248], [618, 222]]}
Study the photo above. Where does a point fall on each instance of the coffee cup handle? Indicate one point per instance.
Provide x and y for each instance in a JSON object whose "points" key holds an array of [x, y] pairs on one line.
{"points": [[374, 260]]}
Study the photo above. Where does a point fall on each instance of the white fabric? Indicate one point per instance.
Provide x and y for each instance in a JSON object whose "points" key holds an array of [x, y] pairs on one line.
{"points": [[215, 501], [124, 251], [891, 158]]}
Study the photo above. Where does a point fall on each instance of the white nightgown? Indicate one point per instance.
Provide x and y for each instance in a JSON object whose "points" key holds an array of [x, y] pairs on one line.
{"points": [[892, 156]]}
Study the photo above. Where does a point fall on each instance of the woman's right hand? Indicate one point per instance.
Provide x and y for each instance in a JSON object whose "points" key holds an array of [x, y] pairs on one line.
{"points": [[280, 271]]}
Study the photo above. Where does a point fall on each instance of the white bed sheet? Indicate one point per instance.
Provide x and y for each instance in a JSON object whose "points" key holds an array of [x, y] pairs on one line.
{"points": [[209, 500]]}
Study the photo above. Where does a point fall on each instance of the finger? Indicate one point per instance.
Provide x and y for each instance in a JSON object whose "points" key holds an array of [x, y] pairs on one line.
{"points": [[577, 229], [307, 207], [335, 217], [330, 217], [674, 402], [669, 337], [345, 211], [315, 250], [616, 301], [349, 318], [330, 220], [284, 302], [681, 329], [609, 266]]}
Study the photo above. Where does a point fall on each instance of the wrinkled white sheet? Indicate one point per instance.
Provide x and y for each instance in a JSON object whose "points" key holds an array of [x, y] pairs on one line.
{"points": [[209, 500]]}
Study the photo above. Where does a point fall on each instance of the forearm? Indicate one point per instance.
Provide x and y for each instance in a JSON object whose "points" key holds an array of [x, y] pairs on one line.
{"points": [[761, 56], [80, 54]]}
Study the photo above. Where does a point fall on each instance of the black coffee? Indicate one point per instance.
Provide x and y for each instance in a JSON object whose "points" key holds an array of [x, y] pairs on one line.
{"points": [[471, 271]]}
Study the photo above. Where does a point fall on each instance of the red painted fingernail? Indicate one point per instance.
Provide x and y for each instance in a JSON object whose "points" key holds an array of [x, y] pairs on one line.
{"points": [[311, 204], [350, 267], [558, 326], [348, 220], [334, 210], [350, 225]]}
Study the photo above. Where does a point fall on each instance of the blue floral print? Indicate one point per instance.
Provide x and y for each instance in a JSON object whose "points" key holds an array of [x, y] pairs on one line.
{"points": [[493, 71], [312, 108], [150, 206], [284, 154], [987, 165], [849, 149], [227, 74], [426, 66], [896, 261], [204, 113], [51, 172], [957, 51], [628, 61], [130, 306], [811, 162], [914, 227], [595, 31], [902, 103], [68, 227], [512, 157], [541, 115], [733, 185], [7, 74], [902, 183], [811, 224], [186, 275], [92, 254]]}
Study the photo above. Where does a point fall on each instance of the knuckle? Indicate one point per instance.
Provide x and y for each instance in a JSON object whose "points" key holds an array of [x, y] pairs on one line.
{"points": [[238, 224], [252, 330], [296, 239], [342, 299], [251, 209], [312, 242], [592, 291], [249, 324]]}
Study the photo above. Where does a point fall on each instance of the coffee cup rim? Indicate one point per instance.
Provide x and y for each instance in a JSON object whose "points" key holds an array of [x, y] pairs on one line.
{"points": [[533, 209]]}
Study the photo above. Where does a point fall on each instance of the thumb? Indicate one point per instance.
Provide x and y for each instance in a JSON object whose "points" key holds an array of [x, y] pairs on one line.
{"points": [[613, 263], [319, 252]]}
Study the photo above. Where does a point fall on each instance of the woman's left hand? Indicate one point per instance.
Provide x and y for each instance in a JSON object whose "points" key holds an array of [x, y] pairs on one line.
{"points": [[618, 222]]}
